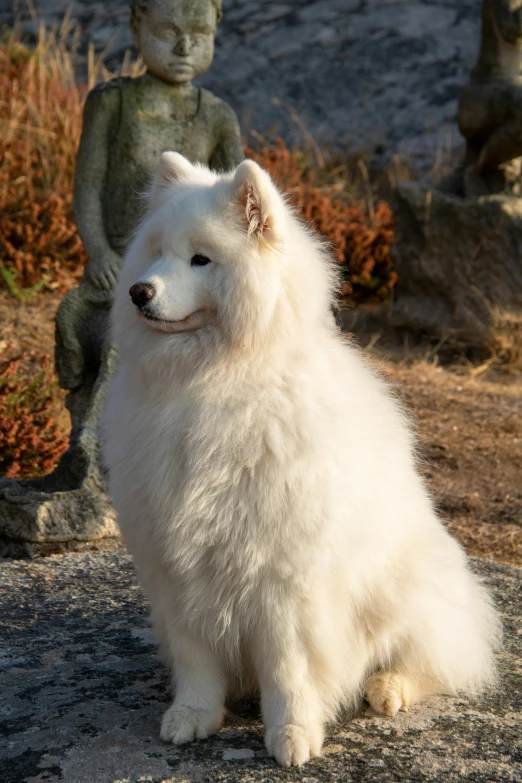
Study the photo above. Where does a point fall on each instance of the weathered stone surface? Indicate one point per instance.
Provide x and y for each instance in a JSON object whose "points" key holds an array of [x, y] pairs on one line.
{"points": [[374, 75], [459, 262], [83, 692]]}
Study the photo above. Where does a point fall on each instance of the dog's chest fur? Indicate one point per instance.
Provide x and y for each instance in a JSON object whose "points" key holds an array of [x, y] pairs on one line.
{"points": [[223, 489]]}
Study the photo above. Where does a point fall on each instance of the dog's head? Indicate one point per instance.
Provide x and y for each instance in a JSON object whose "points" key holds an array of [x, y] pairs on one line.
{"points": [[219, 260]]}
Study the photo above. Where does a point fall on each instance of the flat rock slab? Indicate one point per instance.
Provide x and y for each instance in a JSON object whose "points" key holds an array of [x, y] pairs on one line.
{"points": [[83, 693]]}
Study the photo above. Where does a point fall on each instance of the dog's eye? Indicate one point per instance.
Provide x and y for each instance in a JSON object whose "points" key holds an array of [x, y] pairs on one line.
{"points": [[199, 260]]}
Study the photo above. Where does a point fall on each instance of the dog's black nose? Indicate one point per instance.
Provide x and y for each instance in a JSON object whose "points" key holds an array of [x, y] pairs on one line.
{"points": [[141, 294]]}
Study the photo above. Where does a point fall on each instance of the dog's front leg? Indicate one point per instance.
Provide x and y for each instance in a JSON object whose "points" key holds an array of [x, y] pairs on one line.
{"points": [[291, 711], [198, 706]]}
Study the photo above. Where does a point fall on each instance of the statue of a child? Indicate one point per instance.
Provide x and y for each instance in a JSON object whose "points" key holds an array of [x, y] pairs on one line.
{"points": [[490, 107], [128, 123]]}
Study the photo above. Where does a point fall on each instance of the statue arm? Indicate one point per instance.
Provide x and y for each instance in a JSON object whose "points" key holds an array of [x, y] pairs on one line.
{"points": [[99, 119], [507, 15], [228, 152]]}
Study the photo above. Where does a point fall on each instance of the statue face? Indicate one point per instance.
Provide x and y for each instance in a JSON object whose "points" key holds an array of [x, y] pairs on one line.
{"points": [[176, 38]]}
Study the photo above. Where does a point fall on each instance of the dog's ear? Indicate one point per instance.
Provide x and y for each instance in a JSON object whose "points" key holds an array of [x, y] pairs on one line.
{"points": [[173, 169], [254, 195]]}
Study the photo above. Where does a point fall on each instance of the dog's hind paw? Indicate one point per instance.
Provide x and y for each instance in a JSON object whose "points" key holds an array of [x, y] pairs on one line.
{"points": [[182, 724], [387, 693], [294, 745]]}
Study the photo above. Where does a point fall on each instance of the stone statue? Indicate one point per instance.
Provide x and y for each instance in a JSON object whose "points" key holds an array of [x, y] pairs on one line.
{"points": [[490, 108], [457, 248], [128, 123]]}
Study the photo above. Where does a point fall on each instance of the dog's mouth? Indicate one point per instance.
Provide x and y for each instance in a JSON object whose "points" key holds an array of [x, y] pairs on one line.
{"points": [[190, 323]]}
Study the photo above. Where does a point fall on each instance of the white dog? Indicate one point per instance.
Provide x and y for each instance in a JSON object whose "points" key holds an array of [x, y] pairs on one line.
{"points": [[265, 479]]}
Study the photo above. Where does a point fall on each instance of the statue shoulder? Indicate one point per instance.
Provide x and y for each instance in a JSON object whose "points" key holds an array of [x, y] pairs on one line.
{"points": [[102, 107], [225, 132], [110, 91], [216, 108]]}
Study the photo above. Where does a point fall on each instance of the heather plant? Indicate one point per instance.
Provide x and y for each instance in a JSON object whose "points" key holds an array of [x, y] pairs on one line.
{"points": [[359, 233], [31, 442]]}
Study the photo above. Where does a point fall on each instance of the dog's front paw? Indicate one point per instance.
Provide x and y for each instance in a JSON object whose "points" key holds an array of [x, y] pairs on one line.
{"points": [[182, 724], [293, 745], [387, 693]]}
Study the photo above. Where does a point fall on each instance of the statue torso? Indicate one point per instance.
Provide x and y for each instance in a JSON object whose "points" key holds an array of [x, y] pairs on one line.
{"points": [[145, 129], [498, 57]]}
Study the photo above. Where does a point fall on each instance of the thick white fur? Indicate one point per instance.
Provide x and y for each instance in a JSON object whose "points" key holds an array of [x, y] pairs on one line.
{"points": [[265, 480]]}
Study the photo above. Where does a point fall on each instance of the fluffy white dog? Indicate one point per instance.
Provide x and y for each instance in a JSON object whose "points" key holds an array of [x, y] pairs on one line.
{"points": [[265, 479]]}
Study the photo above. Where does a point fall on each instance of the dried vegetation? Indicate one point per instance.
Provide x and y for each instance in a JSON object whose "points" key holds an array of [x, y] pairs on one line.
{"points": [[40, 122], [41, 108], [32, 442], [329, 198]]}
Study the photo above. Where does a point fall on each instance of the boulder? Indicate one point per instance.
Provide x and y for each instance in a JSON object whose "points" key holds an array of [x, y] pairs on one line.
{"points": [[459, 262]]}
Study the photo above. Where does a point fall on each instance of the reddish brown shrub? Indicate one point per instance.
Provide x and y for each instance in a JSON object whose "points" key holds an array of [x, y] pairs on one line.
{"points": [[31, 443], [41, 110], [38, 240], [360, 236], [369, 274]]}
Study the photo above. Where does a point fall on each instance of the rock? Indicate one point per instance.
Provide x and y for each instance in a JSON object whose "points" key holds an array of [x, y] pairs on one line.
{"points": [[33, 524], [379, 76], [83, 693], [458, 260]]}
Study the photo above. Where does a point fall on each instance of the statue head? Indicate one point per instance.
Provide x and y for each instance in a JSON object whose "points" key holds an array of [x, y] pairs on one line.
{"points": [[175, 37]]}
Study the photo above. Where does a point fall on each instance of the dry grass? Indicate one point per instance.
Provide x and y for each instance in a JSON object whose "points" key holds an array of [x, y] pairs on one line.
{"points": [[469, 424], [32, 442], [41, 108], [505, 342], [40, 119]]}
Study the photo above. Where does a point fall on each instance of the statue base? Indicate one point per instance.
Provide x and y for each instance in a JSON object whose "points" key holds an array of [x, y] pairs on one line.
{"points": [[36, 522], [69, 509], [459, 265]]}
